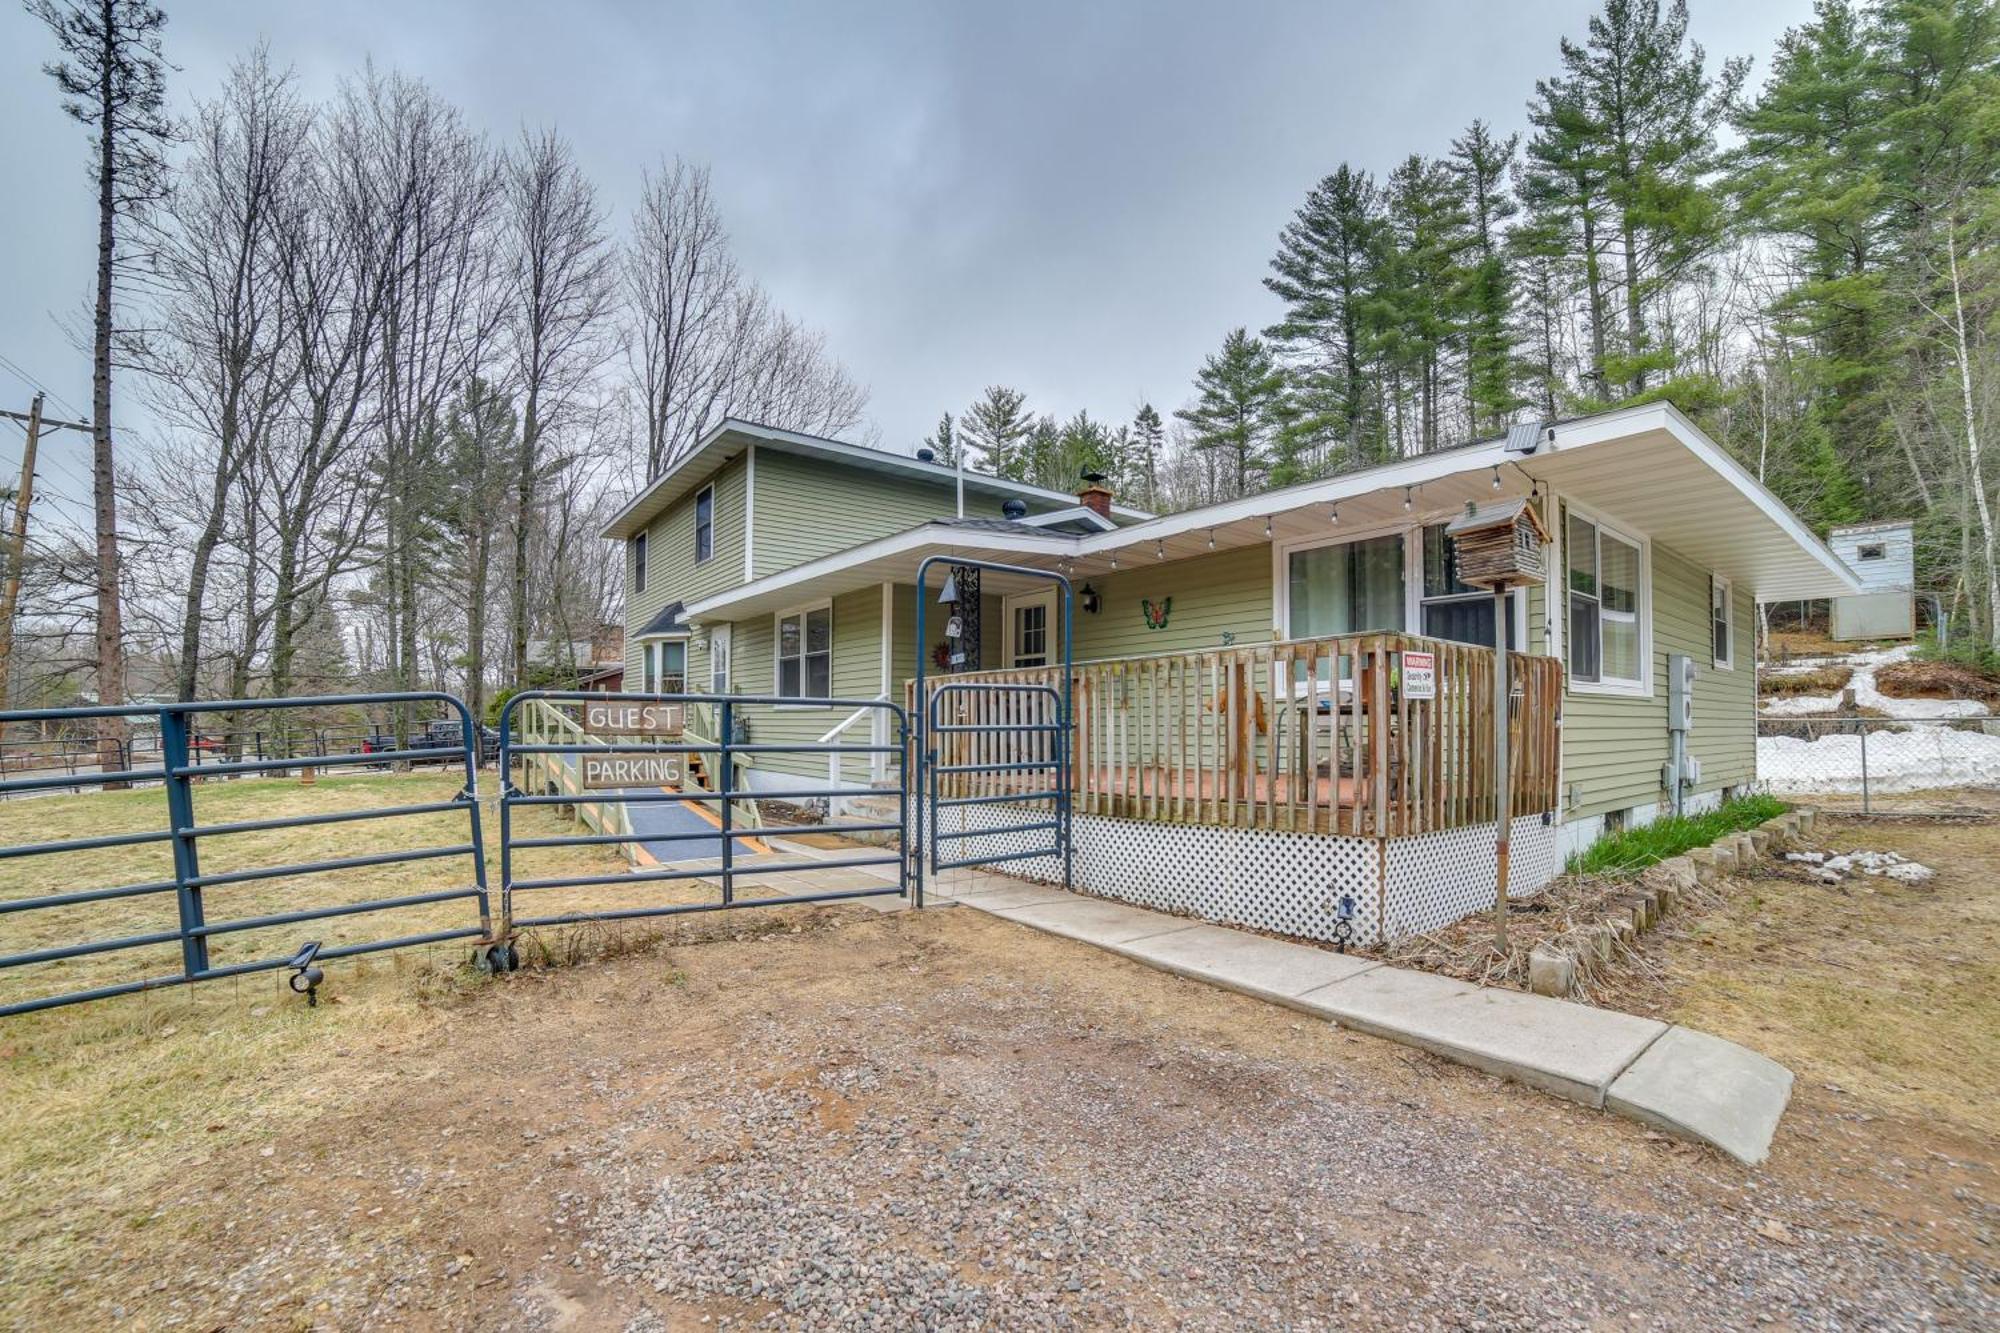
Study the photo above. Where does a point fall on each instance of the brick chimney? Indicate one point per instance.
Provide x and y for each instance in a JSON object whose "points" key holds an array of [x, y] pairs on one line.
{"points": [[1095, 496]]}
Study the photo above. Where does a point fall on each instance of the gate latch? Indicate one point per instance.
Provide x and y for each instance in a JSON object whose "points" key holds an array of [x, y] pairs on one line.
{"points": [[305, 977]]}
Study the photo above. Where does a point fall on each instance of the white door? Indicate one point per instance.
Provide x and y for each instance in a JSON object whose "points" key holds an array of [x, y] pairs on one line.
{"points": [[1031, 628]]}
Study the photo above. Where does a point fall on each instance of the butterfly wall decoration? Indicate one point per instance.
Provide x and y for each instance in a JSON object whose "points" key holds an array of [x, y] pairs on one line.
{"points": [[1157, 612]]}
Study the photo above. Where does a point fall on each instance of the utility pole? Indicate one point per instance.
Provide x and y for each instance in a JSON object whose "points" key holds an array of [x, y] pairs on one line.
{"points": [[17, 537]]}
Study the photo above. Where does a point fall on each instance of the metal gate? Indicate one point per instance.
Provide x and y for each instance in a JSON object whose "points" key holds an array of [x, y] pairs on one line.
{"points": [[992, 747], [188, 756], [620, 758]]}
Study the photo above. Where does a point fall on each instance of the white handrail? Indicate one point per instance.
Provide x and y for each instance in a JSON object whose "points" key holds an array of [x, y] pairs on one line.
{"points": [[877, 764]]}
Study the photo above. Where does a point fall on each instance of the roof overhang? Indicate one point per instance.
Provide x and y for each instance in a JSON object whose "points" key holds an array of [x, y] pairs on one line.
{"points": [[732, 438], [1647, 468]]}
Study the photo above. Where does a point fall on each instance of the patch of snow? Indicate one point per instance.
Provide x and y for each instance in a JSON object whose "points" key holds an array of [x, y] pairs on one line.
{"points": [[1864, 666], [1813, 858], [1918, 759], [1892, 865]]}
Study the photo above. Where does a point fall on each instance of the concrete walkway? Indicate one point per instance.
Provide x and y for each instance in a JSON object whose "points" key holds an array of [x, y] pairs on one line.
{"points": [[1677, 1080]]}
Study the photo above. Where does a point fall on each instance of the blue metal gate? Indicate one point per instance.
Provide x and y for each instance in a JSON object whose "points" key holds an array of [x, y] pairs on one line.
{"points": [[1024, 763], [636, 789], [187, 756]]}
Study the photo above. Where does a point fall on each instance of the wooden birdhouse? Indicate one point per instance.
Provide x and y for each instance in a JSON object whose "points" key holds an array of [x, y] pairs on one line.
{"points": [[1499, 545]]}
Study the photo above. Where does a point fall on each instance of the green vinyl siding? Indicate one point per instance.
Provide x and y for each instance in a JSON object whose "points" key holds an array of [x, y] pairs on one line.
{"points": [[1614, 745], [857, 674], [806, 508], [1215, 596], [672, 575]]}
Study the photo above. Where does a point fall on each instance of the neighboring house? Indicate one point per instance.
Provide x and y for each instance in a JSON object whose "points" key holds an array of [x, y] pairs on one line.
{"points": [[1883, 557], [768, 563]]}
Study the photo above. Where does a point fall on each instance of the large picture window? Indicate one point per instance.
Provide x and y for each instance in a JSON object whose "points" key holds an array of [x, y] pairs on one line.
{"points": [[1603, 570], [805, 653], [1350, 588], [1452, 609], [704, 525]]}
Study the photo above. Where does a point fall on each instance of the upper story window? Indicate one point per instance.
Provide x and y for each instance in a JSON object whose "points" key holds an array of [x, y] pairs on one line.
{"points": [[639, 563], [1606, 637], [1454, 610], [1872, 551], [805, 653], [704, 524], [1721, 625]]}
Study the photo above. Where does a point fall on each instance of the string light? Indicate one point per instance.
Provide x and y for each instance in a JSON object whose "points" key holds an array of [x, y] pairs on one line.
{"points": [[1334, 516], [1496, 476], [1159, 549], [1211, 539], [1406, 499], [1114, 559], [1267, 526]]}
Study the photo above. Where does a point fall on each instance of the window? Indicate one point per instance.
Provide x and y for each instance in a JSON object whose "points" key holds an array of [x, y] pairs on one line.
{"points": [[1454, 610], [651, 673], [1872, 551], [673, 666], [1028, 629], [805, 653], [704, 524], [1719, 622], [639, 563], [1605, 642], [718, 660], [1349, 588]]}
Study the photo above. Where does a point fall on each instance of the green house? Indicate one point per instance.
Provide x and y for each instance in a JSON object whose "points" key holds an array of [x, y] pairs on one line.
{"points": [[1283, 691]]}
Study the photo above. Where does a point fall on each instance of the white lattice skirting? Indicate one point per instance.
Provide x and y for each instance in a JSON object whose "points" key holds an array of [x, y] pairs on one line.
{"points": [[1290, 883]]}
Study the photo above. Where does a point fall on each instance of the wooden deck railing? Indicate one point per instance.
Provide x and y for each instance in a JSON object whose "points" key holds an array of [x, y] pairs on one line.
{"points": [[1311, 735]]}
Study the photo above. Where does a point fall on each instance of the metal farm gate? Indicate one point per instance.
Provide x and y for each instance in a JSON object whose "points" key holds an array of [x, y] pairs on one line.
{"points": [[187, 757], [995, 755], [660, 775]]}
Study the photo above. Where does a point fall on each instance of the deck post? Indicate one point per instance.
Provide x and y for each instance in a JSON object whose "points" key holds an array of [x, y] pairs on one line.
{"points": [[1503, 795]]}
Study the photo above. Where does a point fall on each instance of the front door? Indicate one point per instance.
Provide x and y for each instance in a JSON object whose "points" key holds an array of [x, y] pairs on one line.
{"points": [[1031, 628]]}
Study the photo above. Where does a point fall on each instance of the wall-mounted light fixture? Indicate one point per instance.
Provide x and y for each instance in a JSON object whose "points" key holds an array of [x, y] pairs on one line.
{"points": [[1087, 598]]}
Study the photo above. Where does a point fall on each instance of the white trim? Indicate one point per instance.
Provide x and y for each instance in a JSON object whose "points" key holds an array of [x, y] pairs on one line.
{"points": [[777, 657], [878, 764], [694, 516], [1643, 687], [1074, 514], [1729, 614], [749, 513], [1047, 598], [654, 638]]}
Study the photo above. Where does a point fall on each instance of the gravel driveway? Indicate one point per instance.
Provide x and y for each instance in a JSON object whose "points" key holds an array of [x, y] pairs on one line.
{"points": [[947, 1121]]}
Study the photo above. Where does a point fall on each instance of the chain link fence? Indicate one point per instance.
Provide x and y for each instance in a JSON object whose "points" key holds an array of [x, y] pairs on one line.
{"points": [[1881, 765]]}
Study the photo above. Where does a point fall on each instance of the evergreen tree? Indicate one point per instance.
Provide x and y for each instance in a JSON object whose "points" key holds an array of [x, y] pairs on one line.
{"points": [[1149, 438], [943, 442], [1325, 272], [1564, 191], [1239, 396], [1417, 303], [1480, 164], [997, 426]]}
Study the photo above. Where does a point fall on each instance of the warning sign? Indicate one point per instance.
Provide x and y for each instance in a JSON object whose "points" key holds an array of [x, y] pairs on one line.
{"points": [[601, 771], [1420, 675]]}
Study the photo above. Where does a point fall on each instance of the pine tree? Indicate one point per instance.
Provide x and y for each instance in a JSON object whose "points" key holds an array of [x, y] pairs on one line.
{"points": [[1480, 164], [1325, 272], [997, 427], [1562, 186], [1149, 438], [1239, 394], [1417, 304], [943, 442]]}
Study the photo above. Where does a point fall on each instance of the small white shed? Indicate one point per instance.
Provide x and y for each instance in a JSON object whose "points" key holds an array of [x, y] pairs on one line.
{"points": [[1883, 557]]}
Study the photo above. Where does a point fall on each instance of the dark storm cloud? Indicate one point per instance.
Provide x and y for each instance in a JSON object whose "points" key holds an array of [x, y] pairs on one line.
{"points": [[1077, 199]]}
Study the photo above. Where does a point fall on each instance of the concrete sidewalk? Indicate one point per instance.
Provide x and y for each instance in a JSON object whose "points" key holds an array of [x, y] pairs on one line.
{"points": [[1677, 1080]]}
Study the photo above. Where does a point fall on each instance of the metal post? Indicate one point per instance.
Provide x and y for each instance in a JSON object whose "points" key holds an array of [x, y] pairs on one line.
{"points": [[1864, 770], [187, 858], [727, 780], [1504, 802]]}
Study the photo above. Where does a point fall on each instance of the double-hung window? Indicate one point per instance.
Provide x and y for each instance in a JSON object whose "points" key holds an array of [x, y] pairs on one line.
{"points": [[1720, 623], [1452, 609], [704, 524], [639, 563], [805, 653], [1606, 639]]}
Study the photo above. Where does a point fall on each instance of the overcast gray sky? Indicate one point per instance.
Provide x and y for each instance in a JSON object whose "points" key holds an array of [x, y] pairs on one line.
{"points": [[1075, 199]]}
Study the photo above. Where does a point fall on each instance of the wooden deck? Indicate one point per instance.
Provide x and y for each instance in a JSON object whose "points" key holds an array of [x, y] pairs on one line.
{"points": [[1314, 735]]}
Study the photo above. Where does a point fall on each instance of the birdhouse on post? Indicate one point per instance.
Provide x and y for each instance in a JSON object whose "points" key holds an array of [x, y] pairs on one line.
{"points": [[1499, 545]]}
